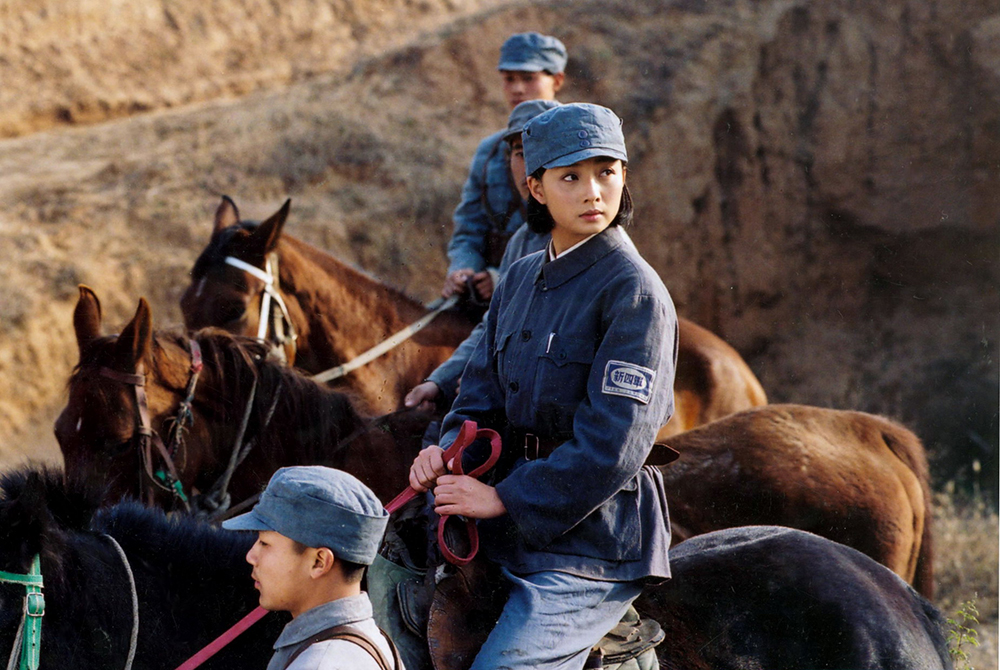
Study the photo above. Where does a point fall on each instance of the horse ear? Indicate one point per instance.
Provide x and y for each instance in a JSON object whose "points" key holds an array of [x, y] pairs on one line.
{"points": [[136, 338], [226, 215], [87, 317], [269, 231]]}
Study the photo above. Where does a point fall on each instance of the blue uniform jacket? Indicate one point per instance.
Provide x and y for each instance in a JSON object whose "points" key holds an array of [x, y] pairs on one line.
{"points": [[447, 374], [488, 192], [583, 349]]}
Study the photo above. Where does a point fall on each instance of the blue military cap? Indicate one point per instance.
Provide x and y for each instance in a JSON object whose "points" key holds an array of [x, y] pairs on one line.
{"points": [[571, 133], [319, 507], [532, 52], [524, 112]]}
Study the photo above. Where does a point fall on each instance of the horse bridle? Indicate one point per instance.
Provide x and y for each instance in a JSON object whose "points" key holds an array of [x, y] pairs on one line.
{"points": [[168, 480], [279, 322], [29, 633]]}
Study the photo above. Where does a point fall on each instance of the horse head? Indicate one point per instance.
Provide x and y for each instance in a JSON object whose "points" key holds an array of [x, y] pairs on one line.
{"points": [[235, 283], [120, 392]]}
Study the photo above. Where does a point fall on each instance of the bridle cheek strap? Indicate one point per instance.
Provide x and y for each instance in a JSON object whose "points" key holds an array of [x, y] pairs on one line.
{"points": [[269, 276], [34, 610]]}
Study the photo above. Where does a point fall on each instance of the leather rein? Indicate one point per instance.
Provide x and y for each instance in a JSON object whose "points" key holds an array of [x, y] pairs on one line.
{"points": [[166, 478]]}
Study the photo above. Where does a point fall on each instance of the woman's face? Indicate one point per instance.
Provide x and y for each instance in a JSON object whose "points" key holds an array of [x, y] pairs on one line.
{"points": [[582, 198]]}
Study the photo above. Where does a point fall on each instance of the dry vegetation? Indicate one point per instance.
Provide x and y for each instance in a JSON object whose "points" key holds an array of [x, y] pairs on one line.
{"points": [[966, 538]]}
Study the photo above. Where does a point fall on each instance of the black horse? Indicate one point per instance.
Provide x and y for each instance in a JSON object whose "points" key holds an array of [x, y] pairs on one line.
{"points": [[779, 598], [750, 597], [191, 581]]}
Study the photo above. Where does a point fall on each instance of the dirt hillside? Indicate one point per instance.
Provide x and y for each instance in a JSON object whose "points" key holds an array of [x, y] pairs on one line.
{"points": [[818, 182]]}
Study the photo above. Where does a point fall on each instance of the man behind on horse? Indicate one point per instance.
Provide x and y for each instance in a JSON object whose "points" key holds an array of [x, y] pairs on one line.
{"points": [[318, 528], [531, 67]]}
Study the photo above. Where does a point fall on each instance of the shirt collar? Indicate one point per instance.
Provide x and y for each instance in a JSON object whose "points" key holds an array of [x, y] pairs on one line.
{"points": [[552, 250], [334, 613], [556, 272]]}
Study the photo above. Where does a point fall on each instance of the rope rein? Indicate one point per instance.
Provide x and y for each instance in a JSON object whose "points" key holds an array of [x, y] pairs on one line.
{"points": [[134, 638], [270, 279], [387, 345]]}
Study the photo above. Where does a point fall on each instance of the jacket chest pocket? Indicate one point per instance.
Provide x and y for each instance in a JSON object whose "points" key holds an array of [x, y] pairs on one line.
{"points": [[501, 353], [560, 383]]}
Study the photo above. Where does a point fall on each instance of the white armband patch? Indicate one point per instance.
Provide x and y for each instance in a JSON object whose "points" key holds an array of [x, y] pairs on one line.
{"points": [[629, 380]]}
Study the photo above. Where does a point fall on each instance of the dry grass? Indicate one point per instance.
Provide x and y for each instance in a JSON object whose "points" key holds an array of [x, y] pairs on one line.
{"points": [[966, 540]]}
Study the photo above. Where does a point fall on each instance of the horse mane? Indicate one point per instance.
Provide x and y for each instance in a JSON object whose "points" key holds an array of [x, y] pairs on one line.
{"points": [[227, 242], [40, 508], [321, 416]]}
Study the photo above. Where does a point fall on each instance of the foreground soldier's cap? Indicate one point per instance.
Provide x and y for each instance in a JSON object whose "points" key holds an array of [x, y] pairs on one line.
{"points": [[319, 507], [524, 112], [533, 52], [571, 133]]}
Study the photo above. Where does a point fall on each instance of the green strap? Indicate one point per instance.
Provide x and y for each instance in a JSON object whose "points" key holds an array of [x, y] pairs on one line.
{"points": [[34, 610]]}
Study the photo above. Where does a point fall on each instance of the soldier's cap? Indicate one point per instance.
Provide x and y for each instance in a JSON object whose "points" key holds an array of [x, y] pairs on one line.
{"points": [[571, 133], [533, 52], [319, 507], [524, 112]]}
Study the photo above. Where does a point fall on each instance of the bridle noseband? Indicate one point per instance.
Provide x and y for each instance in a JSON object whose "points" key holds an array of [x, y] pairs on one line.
{"points": [[29, 633], [167, 480], [279, 322]]}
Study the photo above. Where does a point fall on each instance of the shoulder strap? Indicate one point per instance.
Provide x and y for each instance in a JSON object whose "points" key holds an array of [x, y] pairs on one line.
{"points": [[355, 635]]}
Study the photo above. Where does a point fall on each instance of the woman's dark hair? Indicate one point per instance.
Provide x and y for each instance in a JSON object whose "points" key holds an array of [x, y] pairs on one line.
{"points": [[540, 220]]}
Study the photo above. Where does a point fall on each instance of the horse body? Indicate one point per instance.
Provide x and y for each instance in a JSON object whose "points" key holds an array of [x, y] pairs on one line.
{"points": [[852, 477], [241, 400], [337, 312], [771, 597], [192, 582], [712, 380]]}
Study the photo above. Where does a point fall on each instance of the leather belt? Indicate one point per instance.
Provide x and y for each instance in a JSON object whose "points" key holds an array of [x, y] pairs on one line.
{"points": [[536, 447]]}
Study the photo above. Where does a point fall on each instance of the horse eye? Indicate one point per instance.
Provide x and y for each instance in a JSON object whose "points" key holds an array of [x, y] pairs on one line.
{"points": [[115, 449], [231, 311]]}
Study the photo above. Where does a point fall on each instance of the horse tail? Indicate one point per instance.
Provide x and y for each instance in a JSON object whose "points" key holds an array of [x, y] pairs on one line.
{"points": [[908, 448]]}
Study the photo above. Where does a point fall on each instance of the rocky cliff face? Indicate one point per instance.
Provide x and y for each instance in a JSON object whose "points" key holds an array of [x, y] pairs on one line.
{"points": [[818, 182]]}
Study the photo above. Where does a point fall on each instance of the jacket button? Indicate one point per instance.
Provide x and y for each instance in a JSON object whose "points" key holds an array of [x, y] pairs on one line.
{"points": [[525, 335], [513, 387]]}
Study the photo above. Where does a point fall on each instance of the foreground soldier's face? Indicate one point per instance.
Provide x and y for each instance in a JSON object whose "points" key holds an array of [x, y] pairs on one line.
{"points": [[281, 573]]}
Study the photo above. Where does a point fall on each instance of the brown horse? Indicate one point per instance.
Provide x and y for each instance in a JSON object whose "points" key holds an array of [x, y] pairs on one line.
{"points": [[339, 313], [240, 416], [852, 477], [712, 380]]}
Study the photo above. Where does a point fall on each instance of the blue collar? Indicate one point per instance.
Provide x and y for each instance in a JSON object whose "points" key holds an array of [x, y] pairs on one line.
{"points": [[561, 270], [334, 613]]}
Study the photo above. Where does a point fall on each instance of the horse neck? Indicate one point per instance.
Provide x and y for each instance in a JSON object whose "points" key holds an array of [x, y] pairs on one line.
{"points": [[291, 419], [103, 602], [341, 307]]}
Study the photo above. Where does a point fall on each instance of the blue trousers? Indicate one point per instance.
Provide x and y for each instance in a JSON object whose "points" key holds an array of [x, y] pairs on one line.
{"points": [[551, 621]]}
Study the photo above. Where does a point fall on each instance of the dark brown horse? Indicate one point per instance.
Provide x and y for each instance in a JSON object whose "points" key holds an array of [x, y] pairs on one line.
{"points": [[852, 477], [242, 416], [338, 313]]}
